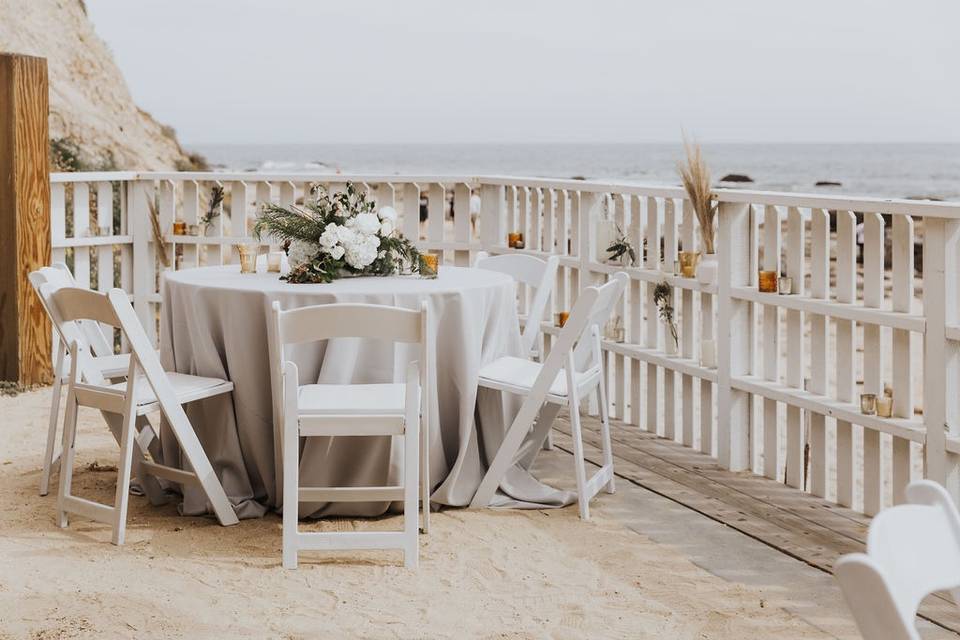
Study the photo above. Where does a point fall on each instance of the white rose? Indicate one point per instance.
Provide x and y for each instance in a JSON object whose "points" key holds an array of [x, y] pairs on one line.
{"points": [[388, 213], [366, 223]]}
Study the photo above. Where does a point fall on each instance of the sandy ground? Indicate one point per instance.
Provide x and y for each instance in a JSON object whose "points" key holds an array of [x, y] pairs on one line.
{"points": [[483, 574]]}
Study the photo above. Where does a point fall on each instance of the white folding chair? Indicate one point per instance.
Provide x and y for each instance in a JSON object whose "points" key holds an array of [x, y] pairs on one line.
{"points": [[912, 550], [111, 366], [540, 275], [572, 369], [147, 388], [390, 409]]}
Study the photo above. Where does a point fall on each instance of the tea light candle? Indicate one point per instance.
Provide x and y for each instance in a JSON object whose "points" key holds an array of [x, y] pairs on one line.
{"points": [[768, 281], [868, 404], [562, 317], [274, 259], [885, 406], [785, 285], [429, 265]]}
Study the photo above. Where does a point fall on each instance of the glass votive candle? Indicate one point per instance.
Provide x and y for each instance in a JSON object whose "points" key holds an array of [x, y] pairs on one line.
{"points": [[785, 285], [193, 230], [515, 238], [676, 267], [562, 317], [429, 265], [884, 406], [708, 354], [274, 260], [179, 228], [688, 263], [248, 257], [767, 281], [868, 404], [105, 230]]}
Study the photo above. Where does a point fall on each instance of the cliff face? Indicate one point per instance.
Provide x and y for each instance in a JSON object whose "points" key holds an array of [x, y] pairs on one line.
{"points": [[91, 110]]}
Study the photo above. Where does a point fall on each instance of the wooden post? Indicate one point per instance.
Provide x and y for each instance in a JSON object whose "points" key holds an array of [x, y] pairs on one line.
{"points": [[25, 332]]}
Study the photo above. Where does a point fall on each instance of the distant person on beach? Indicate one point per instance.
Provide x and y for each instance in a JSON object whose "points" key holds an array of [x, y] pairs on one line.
{"points": [[474, 211], [424, 210]]}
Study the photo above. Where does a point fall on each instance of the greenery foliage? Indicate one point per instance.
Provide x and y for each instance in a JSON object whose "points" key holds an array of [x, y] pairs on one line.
{"points": [[663, 298]]}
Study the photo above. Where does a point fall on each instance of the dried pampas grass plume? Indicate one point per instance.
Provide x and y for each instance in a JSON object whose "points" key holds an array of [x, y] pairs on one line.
{"points": [[695, 176]]}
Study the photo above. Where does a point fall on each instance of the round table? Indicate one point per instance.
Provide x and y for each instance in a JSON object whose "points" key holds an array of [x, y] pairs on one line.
{"points": [[214, 323]]}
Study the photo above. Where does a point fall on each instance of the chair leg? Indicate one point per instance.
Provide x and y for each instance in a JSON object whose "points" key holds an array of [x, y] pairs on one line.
{"points": [[425, 474], [583, 500], [291, 496], [605, 433], [49, 453], [548, 442], [411, 471], [122, 499], [66, 457]]}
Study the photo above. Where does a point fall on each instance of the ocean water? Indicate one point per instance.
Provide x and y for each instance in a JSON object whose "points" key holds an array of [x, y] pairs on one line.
{"points": [[883, 170]]}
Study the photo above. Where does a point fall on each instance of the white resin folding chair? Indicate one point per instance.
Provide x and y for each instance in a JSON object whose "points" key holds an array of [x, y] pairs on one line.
{"points": [[390, 409], [912, 550], [572, 369], [111, 366], [147, 388], [540, 275]]}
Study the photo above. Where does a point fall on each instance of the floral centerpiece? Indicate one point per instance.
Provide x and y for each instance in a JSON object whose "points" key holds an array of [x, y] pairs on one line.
{"points": [[339, 235]]}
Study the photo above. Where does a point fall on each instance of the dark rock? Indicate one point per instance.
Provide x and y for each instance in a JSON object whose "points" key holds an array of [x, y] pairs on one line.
{"points": [[577, 178], [930, 198], [736, 177], [827, 183]]}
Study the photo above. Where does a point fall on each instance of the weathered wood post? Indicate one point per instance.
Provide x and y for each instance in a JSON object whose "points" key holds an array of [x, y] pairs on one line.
{"points": [[24, 217]]}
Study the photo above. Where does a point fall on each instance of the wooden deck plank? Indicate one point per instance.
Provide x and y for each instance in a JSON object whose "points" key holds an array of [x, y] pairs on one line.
{"points": [[795, 523]]}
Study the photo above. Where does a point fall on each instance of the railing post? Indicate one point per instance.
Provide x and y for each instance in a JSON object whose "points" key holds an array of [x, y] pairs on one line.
{"points": [[733, 342], [491, 216], [25, 335], [140, 194], [939, 304]]}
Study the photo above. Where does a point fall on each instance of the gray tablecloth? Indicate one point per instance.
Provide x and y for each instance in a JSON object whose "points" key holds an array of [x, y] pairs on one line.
{"points": [[214, 323]]}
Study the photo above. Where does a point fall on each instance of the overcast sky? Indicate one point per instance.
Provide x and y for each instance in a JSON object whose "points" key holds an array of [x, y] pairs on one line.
{"points": [[283, 71]]}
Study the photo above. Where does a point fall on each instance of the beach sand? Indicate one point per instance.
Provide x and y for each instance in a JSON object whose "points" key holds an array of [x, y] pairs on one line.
{"points": [[483, 574]]}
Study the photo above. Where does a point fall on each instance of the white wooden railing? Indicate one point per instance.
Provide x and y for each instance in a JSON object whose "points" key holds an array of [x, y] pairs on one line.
{"points": [[783, 400]]}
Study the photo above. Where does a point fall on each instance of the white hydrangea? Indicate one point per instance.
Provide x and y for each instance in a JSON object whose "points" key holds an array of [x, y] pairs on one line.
{"points": [[300, 252], [362, 251], [330, 236], [388, 213], [366, 223]]}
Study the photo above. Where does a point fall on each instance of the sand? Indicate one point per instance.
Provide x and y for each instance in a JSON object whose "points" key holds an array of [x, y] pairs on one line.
{"points": [[483, 574]]}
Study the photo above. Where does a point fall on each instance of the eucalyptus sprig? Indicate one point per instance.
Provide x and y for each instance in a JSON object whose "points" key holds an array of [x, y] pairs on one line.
{"points": [[622, 247], [663, 298], [213, 209]]}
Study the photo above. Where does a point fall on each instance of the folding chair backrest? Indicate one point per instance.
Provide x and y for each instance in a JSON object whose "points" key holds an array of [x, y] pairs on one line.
{"points": [[597, 316], [59, 276], [533, 272], [912, 550], [322, 322]]}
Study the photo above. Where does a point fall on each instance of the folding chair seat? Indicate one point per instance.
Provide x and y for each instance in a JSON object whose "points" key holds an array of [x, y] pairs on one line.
{"points": [[537, 275], [346, 410], [110, 365], [146, 388], [572, 370]]}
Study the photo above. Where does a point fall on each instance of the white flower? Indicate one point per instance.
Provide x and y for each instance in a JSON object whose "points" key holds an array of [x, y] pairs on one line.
{"points": [[362, 251], [301, 252], [329, 238], [337, 252], [386, 228], [366, 223], [388, 213]]}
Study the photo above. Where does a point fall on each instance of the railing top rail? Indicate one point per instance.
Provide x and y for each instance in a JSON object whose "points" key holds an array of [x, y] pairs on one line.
{"points": [[788, 199]]}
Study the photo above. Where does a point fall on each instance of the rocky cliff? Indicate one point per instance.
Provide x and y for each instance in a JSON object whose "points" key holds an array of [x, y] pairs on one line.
{"points": [[94, 123]]}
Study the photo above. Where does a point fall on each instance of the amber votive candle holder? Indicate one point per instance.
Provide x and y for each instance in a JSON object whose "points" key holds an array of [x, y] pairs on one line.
{"points": [[179, 228], [885, 406], [515, 238], [688, 263], [868, 404], [767, 281], [429, 265], [562, 317]]}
